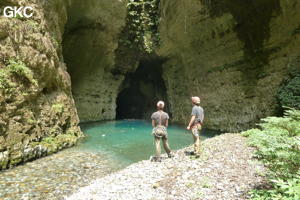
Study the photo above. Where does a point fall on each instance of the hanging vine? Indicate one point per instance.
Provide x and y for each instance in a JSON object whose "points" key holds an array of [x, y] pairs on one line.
{"points": [[142, 24]]}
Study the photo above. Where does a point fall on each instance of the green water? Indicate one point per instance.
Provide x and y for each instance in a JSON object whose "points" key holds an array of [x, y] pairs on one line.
{"points": [[129, 141]]}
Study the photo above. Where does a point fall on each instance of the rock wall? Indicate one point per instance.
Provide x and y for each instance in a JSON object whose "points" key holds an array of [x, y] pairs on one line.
{"points": [[90, 51], [37, 112], [233, 54]]}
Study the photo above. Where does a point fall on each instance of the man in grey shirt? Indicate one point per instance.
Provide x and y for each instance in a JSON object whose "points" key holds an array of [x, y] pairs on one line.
{"points": [[160, 123], [195, 123]]}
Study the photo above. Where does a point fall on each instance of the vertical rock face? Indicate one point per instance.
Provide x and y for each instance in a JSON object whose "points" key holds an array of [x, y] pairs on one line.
{"points": [[90, 43], [233, 54], [37, 112]]}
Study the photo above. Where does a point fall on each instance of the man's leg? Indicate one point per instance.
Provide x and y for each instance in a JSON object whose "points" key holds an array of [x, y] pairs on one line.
{"points": [[166, 146], [197, 146], [157, 145], [196, 138]]}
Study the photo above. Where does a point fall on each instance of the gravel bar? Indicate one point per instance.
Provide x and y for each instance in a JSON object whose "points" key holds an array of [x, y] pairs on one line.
{"points": [[54, 176], [225, 170]]}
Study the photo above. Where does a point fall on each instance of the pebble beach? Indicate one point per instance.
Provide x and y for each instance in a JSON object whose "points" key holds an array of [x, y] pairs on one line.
{"points": [[225, 170]]}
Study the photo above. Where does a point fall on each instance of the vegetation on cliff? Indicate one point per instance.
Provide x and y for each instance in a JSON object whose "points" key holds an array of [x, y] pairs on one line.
{"points": [[142, 23], [289, 94], [277, 144], [15, 67]]}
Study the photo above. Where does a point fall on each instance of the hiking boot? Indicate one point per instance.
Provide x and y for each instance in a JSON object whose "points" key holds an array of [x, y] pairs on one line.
{"points": [[170, 155], [158, 159], [155, 159]]}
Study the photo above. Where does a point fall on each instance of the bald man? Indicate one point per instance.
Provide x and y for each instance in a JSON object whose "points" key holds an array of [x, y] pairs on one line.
{"points": [[160, 123]]}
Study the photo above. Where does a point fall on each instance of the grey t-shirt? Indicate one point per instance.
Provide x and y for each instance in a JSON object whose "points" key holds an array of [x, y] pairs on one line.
{"points": [[156, 115], [198, 112]]}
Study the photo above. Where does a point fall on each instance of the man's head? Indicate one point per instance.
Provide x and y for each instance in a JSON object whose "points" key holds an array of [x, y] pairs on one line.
{"points": [[160, 105], [196, 100]]}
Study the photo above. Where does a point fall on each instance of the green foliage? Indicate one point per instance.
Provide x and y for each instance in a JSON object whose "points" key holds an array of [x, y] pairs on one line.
{"points": [[289, 95], [283, 190], [31, 121], [48, 140], [278, 146], [54, 143], [58, 108], [142, 21], [33, 24], [4, 83], [18, 68], [18, 16], [55, 42]]}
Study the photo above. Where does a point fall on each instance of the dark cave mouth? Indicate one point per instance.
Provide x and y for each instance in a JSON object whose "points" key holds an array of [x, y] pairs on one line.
{"points": [[89, 66], [141, 90]]}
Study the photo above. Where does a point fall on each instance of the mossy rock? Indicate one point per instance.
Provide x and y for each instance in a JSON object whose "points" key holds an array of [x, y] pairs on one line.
{"points": [[58, 108], [3, 161], [53, 144], [14, 162]]}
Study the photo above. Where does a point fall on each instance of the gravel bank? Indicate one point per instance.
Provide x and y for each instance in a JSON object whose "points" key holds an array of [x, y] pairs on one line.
{"points": [[225, 170], [54, 176]]}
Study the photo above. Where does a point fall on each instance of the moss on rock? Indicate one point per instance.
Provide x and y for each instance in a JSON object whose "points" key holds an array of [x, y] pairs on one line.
{"points": [[35, 88]]}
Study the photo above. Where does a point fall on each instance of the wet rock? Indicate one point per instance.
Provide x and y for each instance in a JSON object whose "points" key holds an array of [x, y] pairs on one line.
{"points": [[54, 176]]}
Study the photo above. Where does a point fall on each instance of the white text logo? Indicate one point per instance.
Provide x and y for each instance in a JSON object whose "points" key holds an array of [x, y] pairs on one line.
{"points": [[10, 11]]}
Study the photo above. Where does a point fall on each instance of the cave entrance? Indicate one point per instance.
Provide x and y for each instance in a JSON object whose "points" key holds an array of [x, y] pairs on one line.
{"points": [[141, 90]]}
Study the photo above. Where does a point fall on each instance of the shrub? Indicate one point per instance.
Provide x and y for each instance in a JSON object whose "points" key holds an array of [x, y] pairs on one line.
{"points": [[278, 146], [289, 94]]}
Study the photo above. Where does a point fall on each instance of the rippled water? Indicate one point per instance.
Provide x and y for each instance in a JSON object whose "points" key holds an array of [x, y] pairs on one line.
{"points": [[129, 141]]}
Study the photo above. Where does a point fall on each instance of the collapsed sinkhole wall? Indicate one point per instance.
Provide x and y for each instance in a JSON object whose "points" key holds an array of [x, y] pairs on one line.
{"points": [[89, 44], [141, 90], [107, 81]]}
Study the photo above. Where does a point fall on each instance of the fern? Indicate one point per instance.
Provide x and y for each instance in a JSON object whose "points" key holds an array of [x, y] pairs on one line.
{"points": [[278, 146]]}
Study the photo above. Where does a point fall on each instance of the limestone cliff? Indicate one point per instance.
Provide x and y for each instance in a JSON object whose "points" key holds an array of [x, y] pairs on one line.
{"points": [[233, 54], [90, 43], [37, 112]]}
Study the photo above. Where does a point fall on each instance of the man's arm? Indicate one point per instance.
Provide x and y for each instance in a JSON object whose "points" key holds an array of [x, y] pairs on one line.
{"points": [[167, 123], [191, 122], [153, 123]]}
